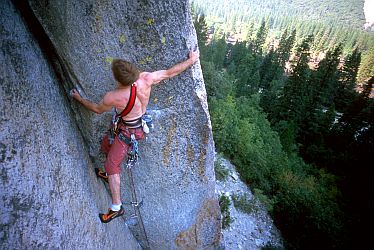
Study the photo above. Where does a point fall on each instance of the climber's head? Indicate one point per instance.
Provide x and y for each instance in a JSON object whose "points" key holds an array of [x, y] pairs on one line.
{"points": [[124, 72]]}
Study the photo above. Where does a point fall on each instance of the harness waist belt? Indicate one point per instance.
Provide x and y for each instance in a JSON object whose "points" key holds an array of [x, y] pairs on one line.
{"points": [[136, 123]]}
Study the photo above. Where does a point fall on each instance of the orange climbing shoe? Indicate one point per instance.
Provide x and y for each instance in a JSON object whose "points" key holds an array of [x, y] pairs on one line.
{"points": [[101, 174], [105, 218]]}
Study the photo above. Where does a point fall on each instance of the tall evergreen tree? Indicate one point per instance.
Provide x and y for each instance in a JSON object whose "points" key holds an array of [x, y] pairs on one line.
{"points": [[315, 127], [354, 130], [272, 70], [346, 91], [234, 56], [358, 115], [261, 35], [295, 97], [249, 32], [216, 52], [294, 104], [269, 70], [247, 76], [284, 49], [324, 39], [201, 30], [367, 67], [325, 79]]}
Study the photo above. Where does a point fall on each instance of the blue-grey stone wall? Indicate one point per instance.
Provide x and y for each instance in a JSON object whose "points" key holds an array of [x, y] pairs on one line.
{"points": [[59, 140], [50, 198]]}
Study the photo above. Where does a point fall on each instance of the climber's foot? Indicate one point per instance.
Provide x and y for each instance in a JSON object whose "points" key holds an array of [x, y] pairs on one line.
{"points": [[105, 218], [101, 174]]}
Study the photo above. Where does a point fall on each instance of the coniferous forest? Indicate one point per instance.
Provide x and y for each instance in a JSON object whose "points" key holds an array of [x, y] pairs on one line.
{"points": [[289, 87]]}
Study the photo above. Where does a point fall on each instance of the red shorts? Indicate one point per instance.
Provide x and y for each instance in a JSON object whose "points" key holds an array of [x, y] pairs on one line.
{"points": [[116, 152]]}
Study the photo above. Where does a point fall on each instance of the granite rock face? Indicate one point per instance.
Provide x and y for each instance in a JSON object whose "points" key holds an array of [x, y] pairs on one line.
{"points": [[49, 197], [50, 144]]}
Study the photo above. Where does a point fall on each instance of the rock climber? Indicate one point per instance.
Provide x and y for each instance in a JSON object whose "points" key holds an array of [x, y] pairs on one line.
{"points": [[126, 74]]}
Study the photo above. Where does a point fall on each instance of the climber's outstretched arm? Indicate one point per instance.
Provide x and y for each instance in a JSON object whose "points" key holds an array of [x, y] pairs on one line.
{"points": [[160, 75], [103, 106]]}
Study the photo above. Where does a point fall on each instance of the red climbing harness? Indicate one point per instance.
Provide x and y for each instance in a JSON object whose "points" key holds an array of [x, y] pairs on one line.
{"points": [[116, 118], [130, 103]]}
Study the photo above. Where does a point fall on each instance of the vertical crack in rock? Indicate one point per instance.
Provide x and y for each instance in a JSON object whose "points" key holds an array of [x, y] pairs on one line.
{"points": [[62, 70]]}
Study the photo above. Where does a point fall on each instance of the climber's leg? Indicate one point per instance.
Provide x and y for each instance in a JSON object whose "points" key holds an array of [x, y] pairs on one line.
{"points": [[115, 188], [116, 154], [105, 148]]}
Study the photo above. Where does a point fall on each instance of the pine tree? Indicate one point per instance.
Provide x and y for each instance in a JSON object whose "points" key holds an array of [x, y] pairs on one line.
{"points": [[367, 67], [216, 52], [269, 96], [325, 79], [247, 76], [357, 118], [234, 56], [201, 30], [260, 37], [269, 70], [272, 70], [323, 40], [286, 44], [316, 125], [249, 32], [294, 103], [346, 91], [218, 84], [367, 89]]}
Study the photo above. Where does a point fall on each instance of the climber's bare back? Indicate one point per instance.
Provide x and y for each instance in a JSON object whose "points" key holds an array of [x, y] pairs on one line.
{"points": [[120, 96]]}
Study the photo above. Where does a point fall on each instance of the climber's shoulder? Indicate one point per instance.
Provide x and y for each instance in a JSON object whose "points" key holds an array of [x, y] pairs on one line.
{"points": [[145, 78], [151, 78], [110, 97]]}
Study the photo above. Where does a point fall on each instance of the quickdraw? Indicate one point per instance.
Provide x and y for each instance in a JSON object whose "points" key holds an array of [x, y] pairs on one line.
{"points": [[133, 152]]}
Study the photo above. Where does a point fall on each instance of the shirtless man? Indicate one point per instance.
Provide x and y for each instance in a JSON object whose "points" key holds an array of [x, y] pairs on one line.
{"points": [[126, 74]]}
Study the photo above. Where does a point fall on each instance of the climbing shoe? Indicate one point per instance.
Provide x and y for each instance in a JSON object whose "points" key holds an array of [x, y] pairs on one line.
{"points": [[101, 174], [105, 218]]}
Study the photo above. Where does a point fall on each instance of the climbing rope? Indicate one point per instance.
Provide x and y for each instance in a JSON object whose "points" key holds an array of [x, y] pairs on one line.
{"points": [[133, 156]]}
